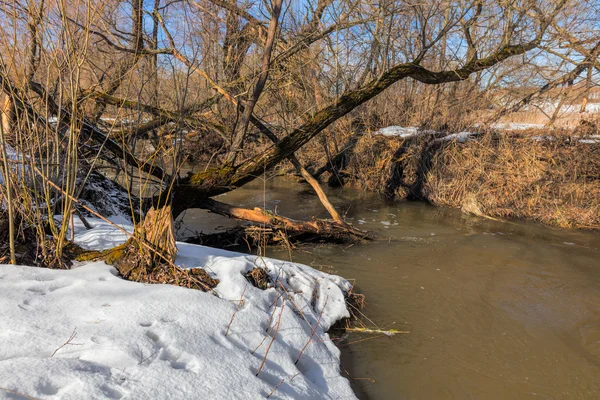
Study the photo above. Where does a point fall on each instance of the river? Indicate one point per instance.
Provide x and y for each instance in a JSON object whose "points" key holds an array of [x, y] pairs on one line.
{"points": [[495, 310]]}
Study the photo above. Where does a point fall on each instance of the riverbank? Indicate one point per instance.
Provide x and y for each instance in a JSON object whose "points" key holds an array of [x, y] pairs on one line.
{"points": [[87, 333], [552, 177]]}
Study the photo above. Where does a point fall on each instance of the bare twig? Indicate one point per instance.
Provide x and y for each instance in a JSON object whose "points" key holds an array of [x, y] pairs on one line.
{"points": [[236, 310], [272, 340], [68, 342], [313, 330], [17, 393], [279, 384]]}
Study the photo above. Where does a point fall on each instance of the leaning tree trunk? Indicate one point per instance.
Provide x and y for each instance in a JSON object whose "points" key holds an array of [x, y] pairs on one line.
{"points": [[196, 188]]}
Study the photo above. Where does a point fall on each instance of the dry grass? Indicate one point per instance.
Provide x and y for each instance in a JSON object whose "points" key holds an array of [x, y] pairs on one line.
{"points": [[28, 250], [374, 162], [156, 273], [149, 254], [194, 278], [259, 278], [371, 161], [355, 302], [554, 181]]}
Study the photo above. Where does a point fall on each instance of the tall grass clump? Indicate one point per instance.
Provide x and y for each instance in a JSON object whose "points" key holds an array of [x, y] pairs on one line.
{"points": [[553, 179]]}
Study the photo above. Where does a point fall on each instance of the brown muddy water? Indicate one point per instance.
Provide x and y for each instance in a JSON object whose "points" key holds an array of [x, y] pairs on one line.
{"points": [[495, 310]]}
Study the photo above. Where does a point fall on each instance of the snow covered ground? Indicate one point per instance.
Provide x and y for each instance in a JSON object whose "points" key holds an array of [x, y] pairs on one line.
{"points": [[406, 132], [398, 131], [138, 341], [550, 107], [462, 137], [515, 126], [403, 132]]}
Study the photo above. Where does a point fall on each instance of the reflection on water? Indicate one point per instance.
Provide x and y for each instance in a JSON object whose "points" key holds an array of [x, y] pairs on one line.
{"points": [[496, 310]]}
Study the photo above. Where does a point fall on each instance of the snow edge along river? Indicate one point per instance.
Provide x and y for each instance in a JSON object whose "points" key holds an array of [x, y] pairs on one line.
{"points": [[133, 340]]}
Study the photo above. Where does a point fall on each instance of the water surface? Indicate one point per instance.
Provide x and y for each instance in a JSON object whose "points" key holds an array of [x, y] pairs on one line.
{"points": [[495, 310]]}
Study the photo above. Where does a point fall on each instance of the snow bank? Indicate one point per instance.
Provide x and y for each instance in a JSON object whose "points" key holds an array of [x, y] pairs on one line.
{"points": [[516, 126], [589, 141], [461, 137], [398, 131], [406, 132], [163, 342]]}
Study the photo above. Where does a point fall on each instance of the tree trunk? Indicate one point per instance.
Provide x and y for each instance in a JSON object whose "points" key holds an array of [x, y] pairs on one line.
{"points": [[221, 180], [153, 245], [316, 227]]}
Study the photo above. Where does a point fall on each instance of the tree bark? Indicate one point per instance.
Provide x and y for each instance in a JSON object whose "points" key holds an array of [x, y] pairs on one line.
{"points": [[257, 215]]}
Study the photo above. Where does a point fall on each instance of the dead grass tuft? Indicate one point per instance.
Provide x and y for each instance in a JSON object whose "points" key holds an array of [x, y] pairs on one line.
{"points": [[259, 278], [355, 303], [149, 255], [371, 162], [194, 278], [31, 249]]}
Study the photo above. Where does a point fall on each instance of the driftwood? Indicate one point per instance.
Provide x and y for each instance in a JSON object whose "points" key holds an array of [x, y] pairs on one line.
{"points": [[317, 227]]}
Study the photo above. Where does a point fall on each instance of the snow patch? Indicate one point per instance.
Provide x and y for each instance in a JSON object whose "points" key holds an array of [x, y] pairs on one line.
{"points": [[160, 341], [398, 131], [460, 137], [589, 141], [15, 159], [515, 126]]}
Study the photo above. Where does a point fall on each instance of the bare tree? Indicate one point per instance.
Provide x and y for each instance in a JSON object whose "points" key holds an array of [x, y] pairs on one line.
{"points": [[265, 78]]}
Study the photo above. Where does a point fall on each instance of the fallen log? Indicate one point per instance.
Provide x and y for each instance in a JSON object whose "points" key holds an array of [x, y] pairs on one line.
{"points": [[330, 230]]}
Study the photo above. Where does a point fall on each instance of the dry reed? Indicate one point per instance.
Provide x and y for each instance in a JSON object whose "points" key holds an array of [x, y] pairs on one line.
{"points": [[554, 180]]}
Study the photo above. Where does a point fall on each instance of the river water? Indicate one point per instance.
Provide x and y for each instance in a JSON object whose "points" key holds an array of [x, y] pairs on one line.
{"points": [[495, 310]]}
